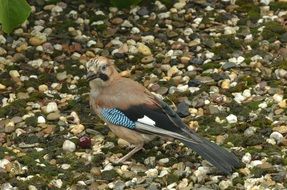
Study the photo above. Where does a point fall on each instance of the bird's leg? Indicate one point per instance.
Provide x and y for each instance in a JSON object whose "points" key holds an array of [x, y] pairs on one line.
{"points": [[128, 155]]}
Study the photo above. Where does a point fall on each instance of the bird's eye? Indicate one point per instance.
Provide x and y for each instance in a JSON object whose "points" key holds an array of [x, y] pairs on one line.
{"points": [[104, 67]]}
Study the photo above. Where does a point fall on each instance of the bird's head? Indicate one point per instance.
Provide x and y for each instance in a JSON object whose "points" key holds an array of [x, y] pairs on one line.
{"points": [[101, 70]]}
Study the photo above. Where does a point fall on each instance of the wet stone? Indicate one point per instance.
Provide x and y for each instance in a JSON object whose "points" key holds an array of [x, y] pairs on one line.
{"points": [[182, 109], [143, 11], [194, 83], [147, 59], [228, 65]]}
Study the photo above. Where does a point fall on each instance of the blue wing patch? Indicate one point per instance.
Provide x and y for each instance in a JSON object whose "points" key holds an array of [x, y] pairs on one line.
{"points": [[117, 117]]}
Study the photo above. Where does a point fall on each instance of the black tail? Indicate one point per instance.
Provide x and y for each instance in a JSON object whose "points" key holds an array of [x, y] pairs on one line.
{"points": [[225, 161]]}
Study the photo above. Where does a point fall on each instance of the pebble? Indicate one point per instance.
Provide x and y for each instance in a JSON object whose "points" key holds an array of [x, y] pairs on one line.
{"points": [[147, 39], [278, 137], [2, 87], [56, 183], [14, 74], [143, 49], [278, 98], [2, 39], [147, 59], [231, 118], [43, 88], [3, 163], [53, 116], [163, 161], [152, 172], [51, 107], [249, 131], [41, 120], [9, 127], [225, 184], [281, 129], [179, 5], [182, 109], [77, 129], [172, 71], [283, 104], [62, 76], [38, 40], [201, 173], [246, 158], [225, 84], [69, 146]]}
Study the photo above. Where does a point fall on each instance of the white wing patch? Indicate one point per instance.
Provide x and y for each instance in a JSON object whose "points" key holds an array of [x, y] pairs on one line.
{"points": [[146, 120]]}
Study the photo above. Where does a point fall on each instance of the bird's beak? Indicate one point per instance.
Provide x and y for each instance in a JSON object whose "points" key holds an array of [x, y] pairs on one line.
{"points": [[91, 76]]}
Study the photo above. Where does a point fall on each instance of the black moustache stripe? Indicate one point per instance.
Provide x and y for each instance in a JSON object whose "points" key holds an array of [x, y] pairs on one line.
{"points": [[104, 77]]}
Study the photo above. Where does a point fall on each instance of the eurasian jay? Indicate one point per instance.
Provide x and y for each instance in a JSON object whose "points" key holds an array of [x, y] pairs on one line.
{"points": [[137, 116]]}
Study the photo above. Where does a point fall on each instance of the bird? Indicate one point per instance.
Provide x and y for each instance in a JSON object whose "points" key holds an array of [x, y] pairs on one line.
{"points": [[136, 115]]}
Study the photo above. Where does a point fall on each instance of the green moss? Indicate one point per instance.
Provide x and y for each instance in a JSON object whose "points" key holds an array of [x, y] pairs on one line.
{"points": [[16, 108], [252, 105], [238, 180], [171, 178], [98, 159], [250, 9], [261, 122], [272, 31], [31, 121], [5, 151], [109, 175], [5, 79], [210, 65], [278, 5], [29, 139], [255, 139]]}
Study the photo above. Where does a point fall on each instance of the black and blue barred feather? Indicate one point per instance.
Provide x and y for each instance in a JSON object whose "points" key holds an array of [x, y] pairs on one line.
{"points": [[117, 117]]}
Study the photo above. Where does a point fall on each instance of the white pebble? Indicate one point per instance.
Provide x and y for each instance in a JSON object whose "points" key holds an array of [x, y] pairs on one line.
{"points": [[163, 173], [3, 163], [41, 120], [271, 141], [263, 105], [249, 131], [182, 88], [172, 71], [201, 173], [266, 2], [65, 166], [224, 184], [278, 137], [247, 93], [148, 39], [43, 88], [127, 24], [2, 39], [246, 158], [191, 68], [231, 118], [163, 161], [57, 183], [69, 146], [91, 43], [163, 15], [238, 97], [255, 163], [51, 107], [14, 74], [277, 97], [152, 172], [187, 31]]}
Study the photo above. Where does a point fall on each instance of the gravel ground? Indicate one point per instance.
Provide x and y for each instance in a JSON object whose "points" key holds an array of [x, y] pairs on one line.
{"points": [[221, 64]]}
